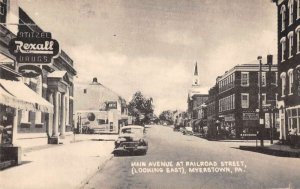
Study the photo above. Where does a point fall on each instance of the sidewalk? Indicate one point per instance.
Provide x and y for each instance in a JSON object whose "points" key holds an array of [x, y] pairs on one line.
{"points": [[59, 166], [32, 141], [273, 149]]}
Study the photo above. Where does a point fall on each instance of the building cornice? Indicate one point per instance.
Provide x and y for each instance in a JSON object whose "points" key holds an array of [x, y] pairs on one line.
{"points": [[247, 68]]}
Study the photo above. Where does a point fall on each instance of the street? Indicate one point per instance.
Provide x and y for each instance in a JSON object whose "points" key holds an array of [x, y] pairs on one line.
{"points": [[229, 167]]}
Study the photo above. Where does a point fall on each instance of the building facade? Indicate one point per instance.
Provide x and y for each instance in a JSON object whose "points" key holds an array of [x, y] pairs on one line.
{"points": [[56, 84], [288, 16], [238, 99], [95, 97], [212, 111]]}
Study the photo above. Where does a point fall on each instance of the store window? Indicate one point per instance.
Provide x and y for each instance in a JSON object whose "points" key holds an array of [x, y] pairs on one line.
{"points": [[293, 118], [245, 79], [245, 100]]}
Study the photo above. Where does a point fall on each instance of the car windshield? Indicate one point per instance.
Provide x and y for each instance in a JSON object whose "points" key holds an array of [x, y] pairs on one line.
{"points": [[132, 131]]}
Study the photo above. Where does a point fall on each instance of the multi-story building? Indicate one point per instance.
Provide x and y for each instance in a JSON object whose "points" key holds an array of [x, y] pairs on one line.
{"points": [[37, 104], [54, 84], [238, 99], [212, 111], [196, 97], [288, 30]]}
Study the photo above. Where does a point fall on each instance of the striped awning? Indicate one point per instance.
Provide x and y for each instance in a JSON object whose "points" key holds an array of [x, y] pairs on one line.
{"points": [[17, 95]]}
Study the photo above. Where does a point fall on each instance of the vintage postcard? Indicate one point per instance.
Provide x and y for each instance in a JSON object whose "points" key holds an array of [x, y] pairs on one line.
{"points": [[131, 94]]}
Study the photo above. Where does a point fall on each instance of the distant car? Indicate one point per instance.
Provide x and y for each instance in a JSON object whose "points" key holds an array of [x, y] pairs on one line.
{"points": [[165, 124], [131, 140], [187, 130]]}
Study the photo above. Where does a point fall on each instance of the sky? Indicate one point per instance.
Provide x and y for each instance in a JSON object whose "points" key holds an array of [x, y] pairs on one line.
{"points": [[152, 45]]}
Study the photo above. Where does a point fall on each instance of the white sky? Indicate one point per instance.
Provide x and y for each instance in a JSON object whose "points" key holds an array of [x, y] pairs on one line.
{"points": [[152, 45]]}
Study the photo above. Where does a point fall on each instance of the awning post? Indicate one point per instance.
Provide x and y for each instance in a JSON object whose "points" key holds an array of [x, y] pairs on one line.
{"points": [[15, 126]]}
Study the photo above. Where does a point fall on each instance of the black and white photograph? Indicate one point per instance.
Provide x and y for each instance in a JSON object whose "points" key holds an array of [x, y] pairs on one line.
{"points": [[150, 94]]}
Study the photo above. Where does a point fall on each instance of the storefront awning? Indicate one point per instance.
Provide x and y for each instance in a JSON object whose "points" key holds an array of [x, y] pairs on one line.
{"points": [[17, 95], [5, 59]]}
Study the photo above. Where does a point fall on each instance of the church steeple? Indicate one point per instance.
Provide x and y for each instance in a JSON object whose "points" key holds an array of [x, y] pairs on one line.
{"points": [[196, 70], [196, 76]]}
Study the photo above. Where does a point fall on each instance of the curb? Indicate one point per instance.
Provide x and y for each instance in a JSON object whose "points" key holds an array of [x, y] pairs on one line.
{"points": [[90, 176], [269, 151]]}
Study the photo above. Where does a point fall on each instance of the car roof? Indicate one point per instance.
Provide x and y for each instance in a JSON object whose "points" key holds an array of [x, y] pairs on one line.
{"points": [[132, 126]]}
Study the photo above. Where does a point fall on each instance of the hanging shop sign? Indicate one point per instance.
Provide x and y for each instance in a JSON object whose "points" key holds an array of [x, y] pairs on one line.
{"points": [[34, 47], [229, 117], [250, 116], [30, 71], [111, 105]]}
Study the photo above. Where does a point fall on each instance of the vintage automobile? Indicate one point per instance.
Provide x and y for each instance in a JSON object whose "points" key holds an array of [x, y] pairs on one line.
{"points": [[131, 140], [187, 130]]}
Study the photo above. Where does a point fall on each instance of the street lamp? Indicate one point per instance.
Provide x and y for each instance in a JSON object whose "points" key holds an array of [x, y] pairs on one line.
{"points": [[261, 119]]}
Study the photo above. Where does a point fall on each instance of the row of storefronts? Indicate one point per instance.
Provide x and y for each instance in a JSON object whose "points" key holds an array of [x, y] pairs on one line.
{"points": [[231, 108], [31, 102]]}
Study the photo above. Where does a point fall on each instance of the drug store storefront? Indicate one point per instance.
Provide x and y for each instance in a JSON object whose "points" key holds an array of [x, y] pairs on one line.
{"points": [[15, 96]]}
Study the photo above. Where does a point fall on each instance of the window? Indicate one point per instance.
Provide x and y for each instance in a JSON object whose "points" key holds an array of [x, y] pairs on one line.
{"points": [[282, 12], [233, 101], [298, 38], [298, 9], [291, 81], [245, 79], [293, 118], [264, 98], [291, 11], [263, 80], [245, 100], [291, 43], [283, 47], [276, 78], [283, 83]]}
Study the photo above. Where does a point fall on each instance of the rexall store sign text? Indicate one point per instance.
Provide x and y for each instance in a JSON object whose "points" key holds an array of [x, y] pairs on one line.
{"points": [[34, 47]]}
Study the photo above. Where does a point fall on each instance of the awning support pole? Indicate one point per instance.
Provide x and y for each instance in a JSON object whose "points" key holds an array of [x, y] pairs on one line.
{"points": [[15, 126]]}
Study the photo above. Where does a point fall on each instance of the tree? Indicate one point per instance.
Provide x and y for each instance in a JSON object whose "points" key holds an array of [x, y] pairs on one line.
{"points": [[141, 108], [166, 116]]}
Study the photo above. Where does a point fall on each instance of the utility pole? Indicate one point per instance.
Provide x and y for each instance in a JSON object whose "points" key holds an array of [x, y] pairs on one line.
{"points": [[261, 119], [269, 62]]}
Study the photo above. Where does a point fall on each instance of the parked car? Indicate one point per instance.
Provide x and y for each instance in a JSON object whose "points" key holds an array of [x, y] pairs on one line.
{"points": [[187, 130], [131, 140]]}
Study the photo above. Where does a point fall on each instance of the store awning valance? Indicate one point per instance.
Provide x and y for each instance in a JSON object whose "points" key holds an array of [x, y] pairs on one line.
{"points": [[5, 59], [17, 95]]}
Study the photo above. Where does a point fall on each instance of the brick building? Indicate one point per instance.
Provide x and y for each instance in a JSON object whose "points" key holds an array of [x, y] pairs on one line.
{"points": [[288, 30], [238, 99]]}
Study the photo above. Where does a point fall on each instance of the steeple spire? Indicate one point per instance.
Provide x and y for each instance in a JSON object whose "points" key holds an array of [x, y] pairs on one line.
{"points": [[196, 70], [196, 76]]}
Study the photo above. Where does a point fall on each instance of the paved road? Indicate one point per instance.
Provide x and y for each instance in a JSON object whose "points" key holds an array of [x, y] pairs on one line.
{"points": [[229, 167]]}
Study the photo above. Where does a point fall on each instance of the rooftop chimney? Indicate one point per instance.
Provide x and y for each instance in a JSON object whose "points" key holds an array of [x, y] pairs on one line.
{"points": [[95, 80]]}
